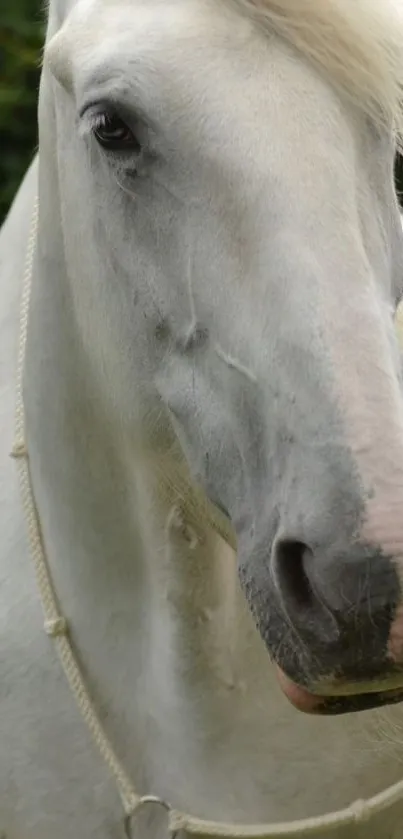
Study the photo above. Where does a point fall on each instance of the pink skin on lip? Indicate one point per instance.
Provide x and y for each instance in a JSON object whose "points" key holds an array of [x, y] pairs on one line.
{"points": [[299, 697]]}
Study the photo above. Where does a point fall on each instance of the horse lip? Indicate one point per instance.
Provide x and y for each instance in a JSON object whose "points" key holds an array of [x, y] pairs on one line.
{"points": [[332, 706], [342, 701]]}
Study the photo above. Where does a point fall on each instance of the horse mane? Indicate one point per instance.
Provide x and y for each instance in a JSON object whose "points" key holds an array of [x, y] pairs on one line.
{"points": [[358, 43]]}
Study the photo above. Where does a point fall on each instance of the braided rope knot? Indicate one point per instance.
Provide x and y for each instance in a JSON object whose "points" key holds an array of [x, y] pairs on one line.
{"points": [[361, 810], [19, 449], [56, 626]]}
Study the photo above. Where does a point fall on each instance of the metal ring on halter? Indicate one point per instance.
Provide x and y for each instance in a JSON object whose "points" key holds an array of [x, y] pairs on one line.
{"points": [[146, 799]]}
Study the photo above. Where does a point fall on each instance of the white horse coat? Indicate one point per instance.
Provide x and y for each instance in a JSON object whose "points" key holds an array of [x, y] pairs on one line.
{"points": [[177, 671]]}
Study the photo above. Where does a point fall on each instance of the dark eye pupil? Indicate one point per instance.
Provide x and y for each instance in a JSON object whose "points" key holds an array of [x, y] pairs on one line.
{"points": [[113, 133]]}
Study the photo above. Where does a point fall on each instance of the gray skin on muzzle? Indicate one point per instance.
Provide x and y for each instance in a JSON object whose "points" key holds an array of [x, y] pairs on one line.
{"points": [[322, 600]]}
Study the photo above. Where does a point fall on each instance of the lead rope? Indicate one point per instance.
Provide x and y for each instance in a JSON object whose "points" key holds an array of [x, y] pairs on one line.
{"points": [[56, 627], [55, 623]]}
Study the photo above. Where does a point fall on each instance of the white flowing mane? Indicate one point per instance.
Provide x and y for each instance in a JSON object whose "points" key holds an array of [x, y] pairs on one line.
{"points": [[359, 44]]}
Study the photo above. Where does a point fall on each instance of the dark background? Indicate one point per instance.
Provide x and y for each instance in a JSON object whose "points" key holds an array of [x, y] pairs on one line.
{"points": [[21, 38]]}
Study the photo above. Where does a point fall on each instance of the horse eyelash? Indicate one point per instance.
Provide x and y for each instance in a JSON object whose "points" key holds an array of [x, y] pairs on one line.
{"points": [[90, 122], [97, 120], [94, 120]]}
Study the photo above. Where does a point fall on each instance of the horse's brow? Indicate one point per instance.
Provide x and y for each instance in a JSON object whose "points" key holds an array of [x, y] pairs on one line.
{"points": [[106, 79], [109, 84]]}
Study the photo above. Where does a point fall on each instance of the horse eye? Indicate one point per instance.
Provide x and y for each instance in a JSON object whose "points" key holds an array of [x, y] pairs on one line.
{"points": [[113, 134]]}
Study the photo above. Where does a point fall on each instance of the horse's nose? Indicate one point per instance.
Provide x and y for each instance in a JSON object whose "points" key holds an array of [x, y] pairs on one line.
{"points": [[343, 604]]}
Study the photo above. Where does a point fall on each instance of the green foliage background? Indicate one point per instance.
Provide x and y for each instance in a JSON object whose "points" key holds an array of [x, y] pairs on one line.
{"points": [[21, 38]]}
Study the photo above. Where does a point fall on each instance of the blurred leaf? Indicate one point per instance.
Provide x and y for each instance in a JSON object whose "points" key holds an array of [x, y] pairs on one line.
{"points": [[21, 39]]}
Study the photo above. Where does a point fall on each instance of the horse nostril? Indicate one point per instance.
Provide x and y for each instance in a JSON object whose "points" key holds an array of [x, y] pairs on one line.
{"points": [[290, 561], [292, 566]]}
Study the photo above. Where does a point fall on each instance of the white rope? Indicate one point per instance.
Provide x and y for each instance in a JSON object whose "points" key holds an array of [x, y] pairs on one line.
{"points": [[56, 626]]}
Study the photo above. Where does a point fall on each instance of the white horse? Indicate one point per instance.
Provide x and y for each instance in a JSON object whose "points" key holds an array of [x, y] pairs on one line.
{"points": [[210, 256]]}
